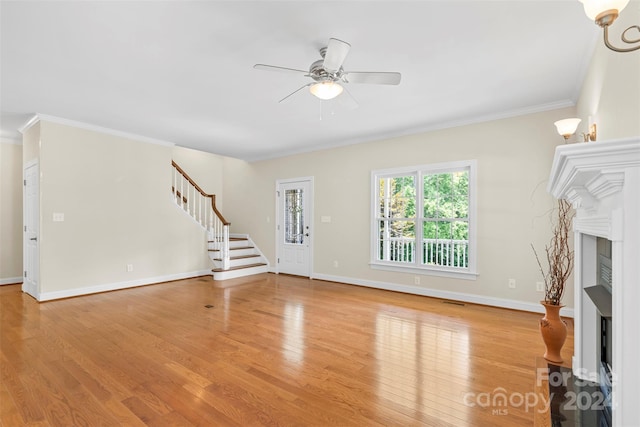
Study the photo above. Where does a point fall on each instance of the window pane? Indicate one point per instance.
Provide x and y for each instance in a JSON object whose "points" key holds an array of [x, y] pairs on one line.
{"points": [[430, 207], [461, 206], [430, 186], [460, 230], [429, 230], [445, 184], [444, 230], [445, 207], [461, 182], [397, 241], [293, 220], [397, 197]]}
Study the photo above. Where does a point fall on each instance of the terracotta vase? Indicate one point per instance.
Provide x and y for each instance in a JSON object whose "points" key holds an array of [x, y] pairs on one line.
{"points": [[554, 332]]}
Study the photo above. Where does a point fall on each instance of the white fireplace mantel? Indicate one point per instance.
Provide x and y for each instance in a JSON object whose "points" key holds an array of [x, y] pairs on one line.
{"points": [[602, 181]]}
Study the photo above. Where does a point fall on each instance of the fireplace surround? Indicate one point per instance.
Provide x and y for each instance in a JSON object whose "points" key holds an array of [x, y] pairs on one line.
{"points": [[602, 182]]}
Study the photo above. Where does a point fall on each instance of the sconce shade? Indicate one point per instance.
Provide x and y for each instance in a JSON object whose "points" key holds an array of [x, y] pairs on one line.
{"points": [[326, 90], [593, 8], [567, 127]]}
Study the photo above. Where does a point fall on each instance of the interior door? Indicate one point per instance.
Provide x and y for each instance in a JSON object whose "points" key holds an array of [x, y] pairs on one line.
{"points": [[294, 231], [31, 218]]}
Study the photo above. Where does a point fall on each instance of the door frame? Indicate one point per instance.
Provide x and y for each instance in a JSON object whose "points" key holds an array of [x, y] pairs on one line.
{"points": [[29, 288], [309, 206]]}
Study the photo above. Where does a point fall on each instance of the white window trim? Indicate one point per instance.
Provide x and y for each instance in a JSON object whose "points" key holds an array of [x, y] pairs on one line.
{"points": [[469, 273]]}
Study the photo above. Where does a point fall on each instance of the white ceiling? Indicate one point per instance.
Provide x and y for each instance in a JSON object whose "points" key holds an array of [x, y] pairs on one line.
{"points": [[182, 71]]}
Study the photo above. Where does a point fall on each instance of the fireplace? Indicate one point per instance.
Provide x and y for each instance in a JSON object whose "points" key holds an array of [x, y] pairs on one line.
{"points": [[602, 181]]}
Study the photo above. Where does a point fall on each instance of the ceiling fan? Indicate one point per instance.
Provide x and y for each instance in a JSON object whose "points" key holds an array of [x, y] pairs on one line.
{"points": [[328, 75]]}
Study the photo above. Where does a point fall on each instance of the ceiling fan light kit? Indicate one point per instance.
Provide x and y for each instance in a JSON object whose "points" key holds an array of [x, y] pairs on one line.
{"points": [[604, 13], [326, 90], [328, 75]]}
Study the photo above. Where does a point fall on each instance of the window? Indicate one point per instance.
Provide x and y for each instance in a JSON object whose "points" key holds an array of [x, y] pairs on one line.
{"points": [[424, 219]]}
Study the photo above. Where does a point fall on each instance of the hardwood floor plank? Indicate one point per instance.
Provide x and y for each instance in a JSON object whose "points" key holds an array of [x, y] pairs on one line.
{"points": [[22, 395], [272, 350], [9, 413]]}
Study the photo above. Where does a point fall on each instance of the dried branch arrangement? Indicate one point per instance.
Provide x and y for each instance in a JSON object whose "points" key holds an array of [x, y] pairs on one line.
{"points": [[559, 256]]}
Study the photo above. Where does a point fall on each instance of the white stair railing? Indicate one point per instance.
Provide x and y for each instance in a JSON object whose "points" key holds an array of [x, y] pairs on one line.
{"points": [[202, 208]]}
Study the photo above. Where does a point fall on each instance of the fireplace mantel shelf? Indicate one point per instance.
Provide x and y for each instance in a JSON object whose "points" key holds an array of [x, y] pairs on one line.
{"points": [[584, 173]]}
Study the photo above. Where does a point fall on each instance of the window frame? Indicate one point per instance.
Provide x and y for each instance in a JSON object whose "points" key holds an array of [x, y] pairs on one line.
{"points": [[416, 267]]}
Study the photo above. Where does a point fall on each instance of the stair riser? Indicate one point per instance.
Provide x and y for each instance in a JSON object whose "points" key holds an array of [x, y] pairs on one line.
{"points": [[234, 252], [238, 262], [232, 244], [244, 261], [232, 274], [238, 243]]}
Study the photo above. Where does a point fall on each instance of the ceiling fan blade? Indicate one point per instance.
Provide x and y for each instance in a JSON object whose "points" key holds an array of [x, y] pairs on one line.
{"points": [[377, 78], [276, 68], [294, 92], [334, 56]]}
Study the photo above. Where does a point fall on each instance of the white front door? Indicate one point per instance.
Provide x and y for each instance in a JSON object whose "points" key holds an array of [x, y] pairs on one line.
{"points": [[31, 217], [294, 231]]}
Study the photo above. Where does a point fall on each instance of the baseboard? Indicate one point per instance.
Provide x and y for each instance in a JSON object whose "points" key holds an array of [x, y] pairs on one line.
{"points": [[436, 293], [68, 293], [11, 281]]}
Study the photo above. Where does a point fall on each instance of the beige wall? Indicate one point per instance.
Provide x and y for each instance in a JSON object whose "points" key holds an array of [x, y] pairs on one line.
{"points": [[611, 90], [115, 196], [31, 143], [514, 159], [10, 212]]}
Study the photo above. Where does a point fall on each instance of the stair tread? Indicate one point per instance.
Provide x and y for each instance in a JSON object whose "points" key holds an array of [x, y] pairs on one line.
{"points": [[232, 239], [239, 257], [234, 249], [239, 267]]}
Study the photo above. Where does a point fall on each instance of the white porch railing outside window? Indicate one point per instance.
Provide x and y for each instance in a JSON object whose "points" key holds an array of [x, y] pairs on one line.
{"points": [[448, 253]]}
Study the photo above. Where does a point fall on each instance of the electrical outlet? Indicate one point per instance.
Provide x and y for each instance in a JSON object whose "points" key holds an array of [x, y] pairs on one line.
{"points": [[335, 264], [416, 280], [129, 268], [540, 286], [512, 283]]}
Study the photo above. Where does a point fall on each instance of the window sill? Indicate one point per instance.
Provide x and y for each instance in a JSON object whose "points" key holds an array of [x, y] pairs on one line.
{"points": [[426, 271]]}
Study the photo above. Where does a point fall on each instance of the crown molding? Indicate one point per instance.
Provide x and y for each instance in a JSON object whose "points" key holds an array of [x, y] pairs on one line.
{"points": [[32, 121], [90, 127]]}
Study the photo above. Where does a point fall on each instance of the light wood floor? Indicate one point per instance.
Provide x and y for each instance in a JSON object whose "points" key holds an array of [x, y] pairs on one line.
{"points": [[273, 350]]}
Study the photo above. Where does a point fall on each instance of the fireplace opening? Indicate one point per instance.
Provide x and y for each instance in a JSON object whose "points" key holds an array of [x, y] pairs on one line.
{"points": [[604, 306]]}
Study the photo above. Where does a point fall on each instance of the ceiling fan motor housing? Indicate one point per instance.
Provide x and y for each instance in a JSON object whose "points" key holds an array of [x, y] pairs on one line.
{"points": [[319, 74]]}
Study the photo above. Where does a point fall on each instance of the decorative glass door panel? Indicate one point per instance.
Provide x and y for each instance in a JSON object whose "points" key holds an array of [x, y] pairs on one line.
{"points": [[294, 218]]}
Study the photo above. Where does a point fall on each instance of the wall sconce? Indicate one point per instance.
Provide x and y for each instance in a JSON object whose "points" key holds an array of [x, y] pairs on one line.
{"points": [[604, 12], [591, 136], [567, 127]]}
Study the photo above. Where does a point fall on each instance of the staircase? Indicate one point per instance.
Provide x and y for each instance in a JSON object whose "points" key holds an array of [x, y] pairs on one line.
{"points": [[244, 258], [232, 255]]}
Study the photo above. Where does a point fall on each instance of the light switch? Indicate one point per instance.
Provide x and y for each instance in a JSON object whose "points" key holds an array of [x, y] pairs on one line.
{"points": [[325, 219], [58, 217]]}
